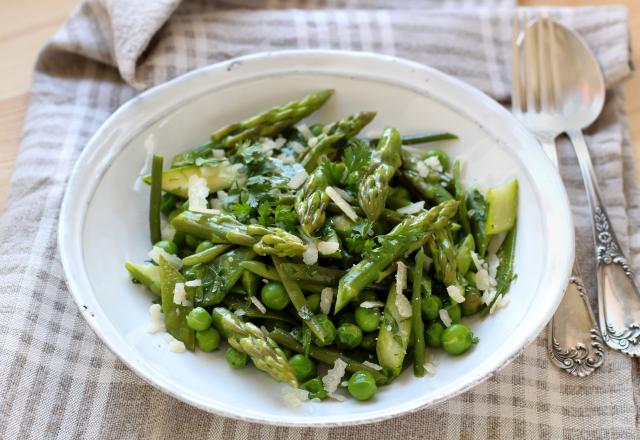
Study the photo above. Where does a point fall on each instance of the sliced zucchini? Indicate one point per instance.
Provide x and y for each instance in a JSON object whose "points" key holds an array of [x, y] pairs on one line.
{"points": [[503, 207], [219, 176]]}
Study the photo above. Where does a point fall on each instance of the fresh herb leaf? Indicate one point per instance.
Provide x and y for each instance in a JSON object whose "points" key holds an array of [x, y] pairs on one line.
{"points": [[286, 218], [242, 211], [356, 159], [360, 239]]}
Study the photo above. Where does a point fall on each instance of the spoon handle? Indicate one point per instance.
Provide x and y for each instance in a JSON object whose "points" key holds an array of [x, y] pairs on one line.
{"points": [[618, 294], [573, 337]]}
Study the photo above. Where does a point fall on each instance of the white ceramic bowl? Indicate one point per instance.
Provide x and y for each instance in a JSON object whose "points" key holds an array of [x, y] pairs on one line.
{"points": [[104, 221]]}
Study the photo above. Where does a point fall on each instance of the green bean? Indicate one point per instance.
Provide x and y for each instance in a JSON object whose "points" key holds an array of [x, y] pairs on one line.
{"points": [[416, 308], [155, 198], [424, 138], [261, 269]]}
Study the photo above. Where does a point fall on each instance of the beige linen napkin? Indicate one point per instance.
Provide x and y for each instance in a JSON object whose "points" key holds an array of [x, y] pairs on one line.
{"points": [[57, 380]]}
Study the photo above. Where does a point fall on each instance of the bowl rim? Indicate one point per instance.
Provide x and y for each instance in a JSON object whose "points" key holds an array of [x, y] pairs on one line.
{"points": [[78, 196]]}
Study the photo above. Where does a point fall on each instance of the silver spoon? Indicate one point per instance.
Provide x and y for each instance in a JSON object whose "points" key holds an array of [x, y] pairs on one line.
{"points": [[581, 91]]}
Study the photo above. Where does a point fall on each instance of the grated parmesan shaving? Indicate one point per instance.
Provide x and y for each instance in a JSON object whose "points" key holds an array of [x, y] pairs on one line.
{"points": [[371, 304], [372, 365], [342, 203], [157, 252], [477, 261], [493, 263], [433, 164], [168, 232], [256, 302], [430, 369], [287, 160], [455, 293], [401, 277], [194, 283], [326, 298], [489, 295], [198, 192], [176, 346], [445, 318], [338, 397], [156, 325], [297, 147], [310, 255], [345, 195], [334, 376], [298, 178], [280, 141], [239, 312], [267, 144], [304, 131], [179, 294], [328, 247], [422, 169], [413, 208], [483, 280], [218, 153], [312, 142], [293, 397]]}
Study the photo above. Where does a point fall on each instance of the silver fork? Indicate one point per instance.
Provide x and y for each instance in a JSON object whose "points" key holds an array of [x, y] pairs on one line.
{"points": [[573, 338]]}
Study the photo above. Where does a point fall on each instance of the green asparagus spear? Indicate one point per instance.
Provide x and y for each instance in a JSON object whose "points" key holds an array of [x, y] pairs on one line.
{"points": [[266, 124], [219, 174], [416, 315], [206, 255], [155, 198], [311, 201], [224, 228], [316, 274], [433, 192], [393, 338], [325, 355], [333, 133], [175, 315], [374, 188], [298, 300], [410, 234], [247, 338], [447, 257]]}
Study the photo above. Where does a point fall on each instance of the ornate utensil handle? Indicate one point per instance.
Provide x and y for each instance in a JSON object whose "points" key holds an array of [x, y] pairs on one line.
{"points": [[574, 340], [618, 294]]}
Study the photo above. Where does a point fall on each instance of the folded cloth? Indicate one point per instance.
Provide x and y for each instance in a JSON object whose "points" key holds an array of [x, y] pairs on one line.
{"points": [[57, 380]]}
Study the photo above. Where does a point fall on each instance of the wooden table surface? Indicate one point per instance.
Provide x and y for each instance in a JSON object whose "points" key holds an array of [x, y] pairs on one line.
{"points": [[25, 25]]}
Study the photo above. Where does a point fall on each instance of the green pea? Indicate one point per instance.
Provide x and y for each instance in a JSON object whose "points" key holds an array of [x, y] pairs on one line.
{"points": [[303, 367], [368, 319], [315, 388], [348, 336], [236, 359], [431, 307], [362, 385], [199, 319], [203, 246], [330, 330], [168, 246], [168, 203], [433, 334], [274, 295], [316, 129], [192, 241], [472, 303], [443, 157], [457, 339], [208, 340], [455, 312], [346, 317], [313, 302], [369, 341]]}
